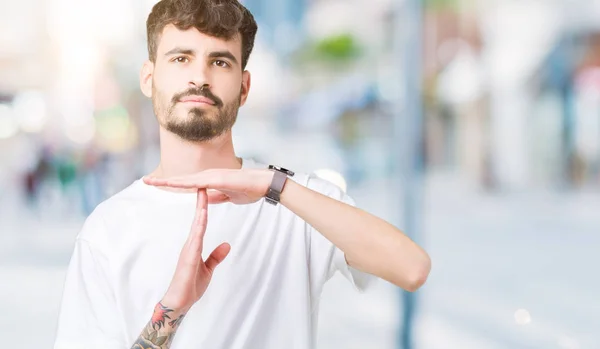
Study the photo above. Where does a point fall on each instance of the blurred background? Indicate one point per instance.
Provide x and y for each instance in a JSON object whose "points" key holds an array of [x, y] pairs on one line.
{"points": [[473, 125]]}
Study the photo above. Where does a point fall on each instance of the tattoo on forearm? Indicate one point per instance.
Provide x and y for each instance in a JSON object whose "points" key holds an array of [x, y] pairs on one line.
{"points": [[175, 323], [159, 332]]}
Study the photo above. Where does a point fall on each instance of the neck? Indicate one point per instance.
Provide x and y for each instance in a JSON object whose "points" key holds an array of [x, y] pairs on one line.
{"points": [[179, 157]]}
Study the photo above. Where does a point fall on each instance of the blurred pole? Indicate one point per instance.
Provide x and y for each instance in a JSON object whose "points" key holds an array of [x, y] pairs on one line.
{"points": [[567, 134], [568, 112], [408, 39]]}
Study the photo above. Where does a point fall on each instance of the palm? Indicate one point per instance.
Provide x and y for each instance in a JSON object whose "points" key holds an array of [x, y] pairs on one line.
{"points": [[204, 272], [236, 197], [236, 186], [244, 186]]}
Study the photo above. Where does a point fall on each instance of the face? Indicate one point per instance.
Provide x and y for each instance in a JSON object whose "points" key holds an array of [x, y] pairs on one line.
{"points": [[196, 83]]}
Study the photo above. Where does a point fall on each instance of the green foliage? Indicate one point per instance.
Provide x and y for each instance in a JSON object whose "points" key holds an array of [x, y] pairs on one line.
{"points": [[440, 4], [339, 47], [334, 52]]}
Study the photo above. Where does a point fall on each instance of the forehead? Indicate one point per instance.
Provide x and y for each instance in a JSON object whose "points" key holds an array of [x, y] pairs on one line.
{"points": [[193, 39]]}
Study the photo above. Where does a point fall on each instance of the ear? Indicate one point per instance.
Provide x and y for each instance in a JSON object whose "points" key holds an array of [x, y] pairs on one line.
{"points": [[146, 78], [245, 87]]}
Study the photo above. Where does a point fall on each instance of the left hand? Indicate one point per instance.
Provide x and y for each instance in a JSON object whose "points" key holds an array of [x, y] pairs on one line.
{"points": [[244, 186]]}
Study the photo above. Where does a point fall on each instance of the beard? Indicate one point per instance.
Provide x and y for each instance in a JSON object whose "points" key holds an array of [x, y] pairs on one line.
{"points": [[201, 124]]}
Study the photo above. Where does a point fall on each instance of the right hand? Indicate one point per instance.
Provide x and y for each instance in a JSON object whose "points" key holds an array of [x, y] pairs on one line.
{"points": [[192, 274]]}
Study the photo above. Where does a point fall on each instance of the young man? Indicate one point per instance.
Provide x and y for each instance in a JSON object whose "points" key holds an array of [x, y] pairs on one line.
{"points": [[138, 279]]}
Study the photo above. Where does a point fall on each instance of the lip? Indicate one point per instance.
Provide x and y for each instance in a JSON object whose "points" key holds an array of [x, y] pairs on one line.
{"points": [[196, 100]]}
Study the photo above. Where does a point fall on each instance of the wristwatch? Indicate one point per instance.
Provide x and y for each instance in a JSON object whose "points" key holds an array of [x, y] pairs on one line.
{"points": [[280, 176]]}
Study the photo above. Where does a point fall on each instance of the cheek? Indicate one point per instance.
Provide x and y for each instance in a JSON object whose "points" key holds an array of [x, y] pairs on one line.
{"points": [[168, 83], [230, 88]]}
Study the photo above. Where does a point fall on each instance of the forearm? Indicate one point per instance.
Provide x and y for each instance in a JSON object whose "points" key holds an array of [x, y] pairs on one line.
{"points": [[161, 329], [370, 244]]}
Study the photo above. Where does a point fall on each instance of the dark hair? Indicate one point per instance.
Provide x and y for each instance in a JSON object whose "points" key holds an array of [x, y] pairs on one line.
{"points": [[219, 18]]}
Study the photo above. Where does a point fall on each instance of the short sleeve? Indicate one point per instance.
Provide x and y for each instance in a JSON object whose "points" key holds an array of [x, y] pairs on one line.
{"points": [[325, 258], [88, 316]]}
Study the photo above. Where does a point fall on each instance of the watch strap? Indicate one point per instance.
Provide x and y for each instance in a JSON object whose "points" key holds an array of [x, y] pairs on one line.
{"points": [[280, 176]]}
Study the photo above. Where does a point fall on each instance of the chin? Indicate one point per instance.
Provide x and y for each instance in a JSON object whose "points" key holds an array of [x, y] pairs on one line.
{"points": [[187, 113], [200, 113]]}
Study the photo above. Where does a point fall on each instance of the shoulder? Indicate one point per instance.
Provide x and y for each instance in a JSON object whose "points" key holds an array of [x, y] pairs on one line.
{"points": [[97, 225]]}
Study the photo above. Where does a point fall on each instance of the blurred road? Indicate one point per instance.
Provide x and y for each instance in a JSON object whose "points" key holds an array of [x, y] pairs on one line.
{"points": [[492, 255]]}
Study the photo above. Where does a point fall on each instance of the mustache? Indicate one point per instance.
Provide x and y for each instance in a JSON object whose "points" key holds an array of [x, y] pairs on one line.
{"points": [[196, 91]]}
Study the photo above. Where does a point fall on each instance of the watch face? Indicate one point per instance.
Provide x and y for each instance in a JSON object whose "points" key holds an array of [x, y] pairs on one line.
{"points": [[281, 169]]}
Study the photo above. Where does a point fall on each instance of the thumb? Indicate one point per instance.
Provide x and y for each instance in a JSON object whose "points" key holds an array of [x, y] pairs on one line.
{"points": [[217, 256]]}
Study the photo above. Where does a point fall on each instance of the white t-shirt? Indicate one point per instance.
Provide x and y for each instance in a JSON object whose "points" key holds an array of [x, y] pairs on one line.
{"points": [[264, 295]]}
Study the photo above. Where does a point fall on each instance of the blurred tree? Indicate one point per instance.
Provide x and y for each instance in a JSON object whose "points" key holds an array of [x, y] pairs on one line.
{"points": [[441, 4], [340, 47], [336, 53]]}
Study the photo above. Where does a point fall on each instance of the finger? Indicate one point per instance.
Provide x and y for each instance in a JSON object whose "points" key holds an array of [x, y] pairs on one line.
{"points": [[217, 256], [179, 183], [217, 197], [198, 228], [153, 180], [217, 179], [201, 218]]}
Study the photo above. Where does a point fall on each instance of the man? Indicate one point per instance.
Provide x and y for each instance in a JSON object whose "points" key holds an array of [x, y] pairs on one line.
{"points": [[138, 278]]}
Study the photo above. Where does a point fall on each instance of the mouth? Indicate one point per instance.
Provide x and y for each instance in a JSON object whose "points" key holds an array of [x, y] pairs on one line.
{"points": [[196, 100]]}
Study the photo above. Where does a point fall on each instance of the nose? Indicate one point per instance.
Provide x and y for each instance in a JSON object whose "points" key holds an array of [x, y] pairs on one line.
{"points": [[200, 78]]}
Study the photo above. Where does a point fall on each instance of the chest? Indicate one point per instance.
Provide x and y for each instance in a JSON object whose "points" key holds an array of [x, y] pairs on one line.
{"points": [[267, 258]]}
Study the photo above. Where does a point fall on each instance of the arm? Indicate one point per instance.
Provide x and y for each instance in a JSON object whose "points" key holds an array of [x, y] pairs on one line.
{"points": [[87, 313], [190, 281], [161, 329], [370, 244]]}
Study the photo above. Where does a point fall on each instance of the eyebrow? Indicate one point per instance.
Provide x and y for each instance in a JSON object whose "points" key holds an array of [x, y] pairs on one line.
{"points": [[180, 50], [214, 54], [223, 54]]}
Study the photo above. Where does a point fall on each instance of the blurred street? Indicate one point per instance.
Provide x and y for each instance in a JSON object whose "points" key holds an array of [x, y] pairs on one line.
{"points": [[493, 105], [479, 281]]}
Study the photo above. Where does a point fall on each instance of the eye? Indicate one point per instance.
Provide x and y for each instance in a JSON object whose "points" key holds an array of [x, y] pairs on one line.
{"points": [[220, 63], [181, 59]]}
